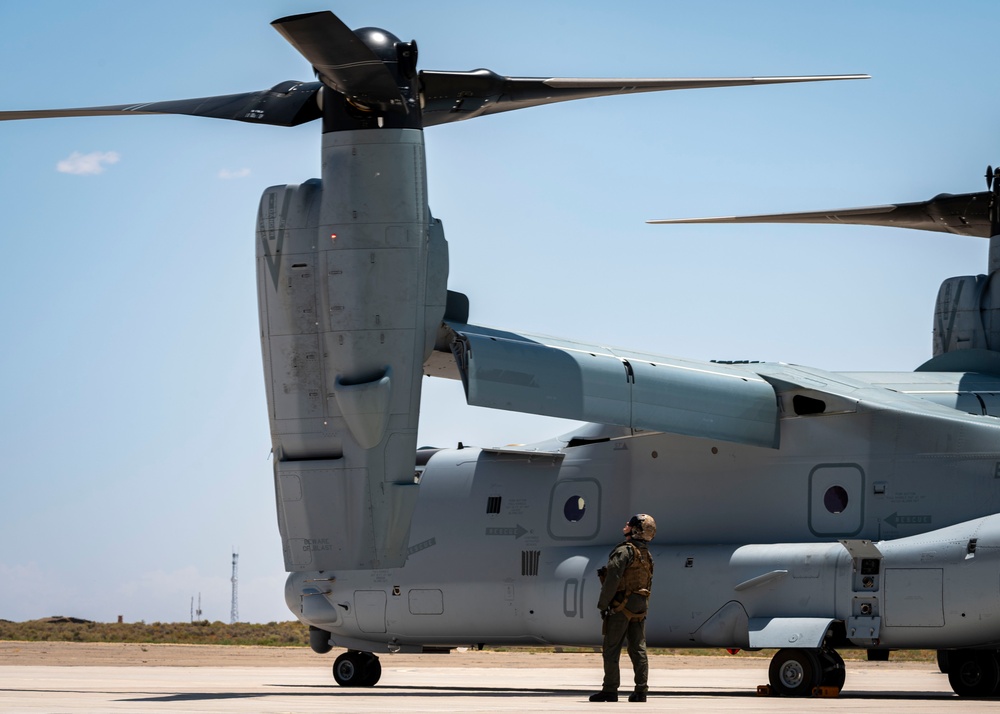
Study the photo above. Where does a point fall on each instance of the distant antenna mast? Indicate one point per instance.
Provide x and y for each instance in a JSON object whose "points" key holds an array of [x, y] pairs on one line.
{"points": [[234, 612], [196, 614]]}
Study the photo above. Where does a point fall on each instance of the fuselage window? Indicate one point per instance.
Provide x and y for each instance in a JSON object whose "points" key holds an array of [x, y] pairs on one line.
{"points": [[574, 509], [835, 499]]}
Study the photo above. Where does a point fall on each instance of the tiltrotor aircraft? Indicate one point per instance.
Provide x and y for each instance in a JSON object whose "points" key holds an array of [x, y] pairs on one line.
{"points": [[850, 536]]}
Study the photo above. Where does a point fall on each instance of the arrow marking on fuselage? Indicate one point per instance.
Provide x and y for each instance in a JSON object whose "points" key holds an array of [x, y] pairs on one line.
{"points": [[422, 545], [895, 520], [516, 532]]}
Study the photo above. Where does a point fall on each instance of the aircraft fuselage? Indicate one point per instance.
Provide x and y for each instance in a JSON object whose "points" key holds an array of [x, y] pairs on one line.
{"points": [[505, 543]]}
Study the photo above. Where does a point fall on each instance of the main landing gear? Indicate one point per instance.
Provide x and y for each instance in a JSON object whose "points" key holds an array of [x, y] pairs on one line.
{"points": [[973, 673], [797, 672], [357, 669]]}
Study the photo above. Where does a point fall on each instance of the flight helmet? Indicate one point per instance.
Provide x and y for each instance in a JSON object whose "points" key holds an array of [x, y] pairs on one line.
{"points": [[643, 526]]}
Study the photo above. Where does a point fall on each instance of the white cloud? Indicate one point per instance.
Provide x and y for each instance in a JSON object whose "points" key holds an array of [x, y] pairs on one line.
{"points": [[85, 164], [231, 174]]}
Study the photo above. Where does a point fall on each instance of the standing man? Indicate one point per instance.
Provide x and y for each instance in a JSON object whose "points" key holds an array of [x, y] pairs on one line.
{"points": [[625, 586]]}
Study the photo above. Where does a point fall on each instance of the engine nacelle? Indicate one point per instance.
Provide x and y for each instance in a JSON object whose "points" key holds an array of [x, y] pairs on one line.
{"points": [[352, 275], [967, 315]]}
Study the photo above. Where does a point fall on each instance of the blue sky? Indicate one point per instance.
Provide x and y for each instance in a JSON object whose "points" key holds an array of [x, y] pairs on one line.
{"points": [[132, 416]]}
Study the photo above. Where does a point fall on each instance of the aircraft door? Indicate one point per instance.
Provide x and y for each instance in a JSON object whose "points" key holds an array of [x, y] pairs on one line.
{"points": [[369, 608], [836, 499]]}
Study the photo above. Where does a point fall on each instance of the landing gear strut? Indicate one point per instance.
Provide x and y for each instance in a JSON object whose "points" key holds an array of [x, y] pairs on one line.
{"points": [[357, 669]]}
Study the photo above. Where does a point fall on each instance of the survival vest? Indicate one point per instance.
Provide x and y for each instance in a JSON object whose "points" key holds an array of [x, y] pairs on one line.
{"points": [[638, 575], [637, 579]]}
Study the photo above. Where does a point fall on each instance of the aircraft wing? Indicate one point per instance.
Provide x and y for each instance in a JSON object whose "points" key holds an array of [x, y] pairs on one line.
{"points": [[964, 214], [737, 402], [549, 376]]}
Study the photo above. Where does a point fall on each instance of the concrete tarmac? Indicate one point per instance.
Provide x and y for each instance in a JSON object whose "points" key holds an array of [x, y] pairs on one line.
{"points": [[902, 687]]}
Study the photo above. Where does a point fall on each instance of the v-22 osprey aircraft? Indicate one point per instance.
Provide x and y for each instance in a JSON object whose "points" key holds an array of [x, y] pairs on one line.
{"points": [[799, 509]]}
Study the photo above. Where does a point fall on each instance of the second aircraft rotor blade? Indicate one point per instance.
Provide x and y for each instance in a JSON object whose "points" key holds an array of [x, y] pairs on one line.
{"points": [[965, 214]]}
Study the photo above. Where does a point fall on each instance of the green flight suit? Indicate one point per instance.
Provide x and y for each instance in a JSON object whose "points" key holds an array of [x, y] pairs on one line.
{"points": [[620, 626]]}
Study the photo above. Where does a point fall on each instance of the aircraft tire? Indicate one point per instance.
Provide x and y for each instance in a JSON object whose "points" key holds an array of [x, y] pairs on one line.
{"points": [[834, 672], [795, 672], [973, 673], [942, 661], [373, 672], [357, 669]]}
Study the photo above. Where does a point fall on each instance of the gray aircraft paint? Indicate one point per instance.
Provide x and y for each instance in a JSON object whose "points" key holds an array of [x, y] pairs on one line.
{"points": [[797, 508]]}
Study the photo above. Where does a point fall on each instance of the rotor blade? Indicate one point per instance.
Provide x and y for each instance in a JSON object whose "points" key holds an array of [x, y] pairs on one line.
{"points": [[964, 214], [286, 104], [453, 96], [342, 61]]}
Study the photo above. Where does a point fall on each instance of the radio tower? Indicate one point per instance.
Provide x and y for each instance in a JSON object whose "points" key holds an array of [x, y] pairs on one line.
{"points": [[234, 612]]}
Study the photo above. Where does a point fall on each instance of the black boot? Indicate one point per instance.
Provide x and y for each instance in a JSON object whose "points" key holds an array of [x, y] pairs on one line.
{"points": [[603, 696], [639, 695]]}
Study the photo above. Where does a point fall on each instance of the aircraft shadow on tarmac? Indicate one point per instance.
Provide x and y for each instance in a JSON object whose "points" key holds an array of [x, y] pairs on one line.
{"points": [[441, 691]]}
